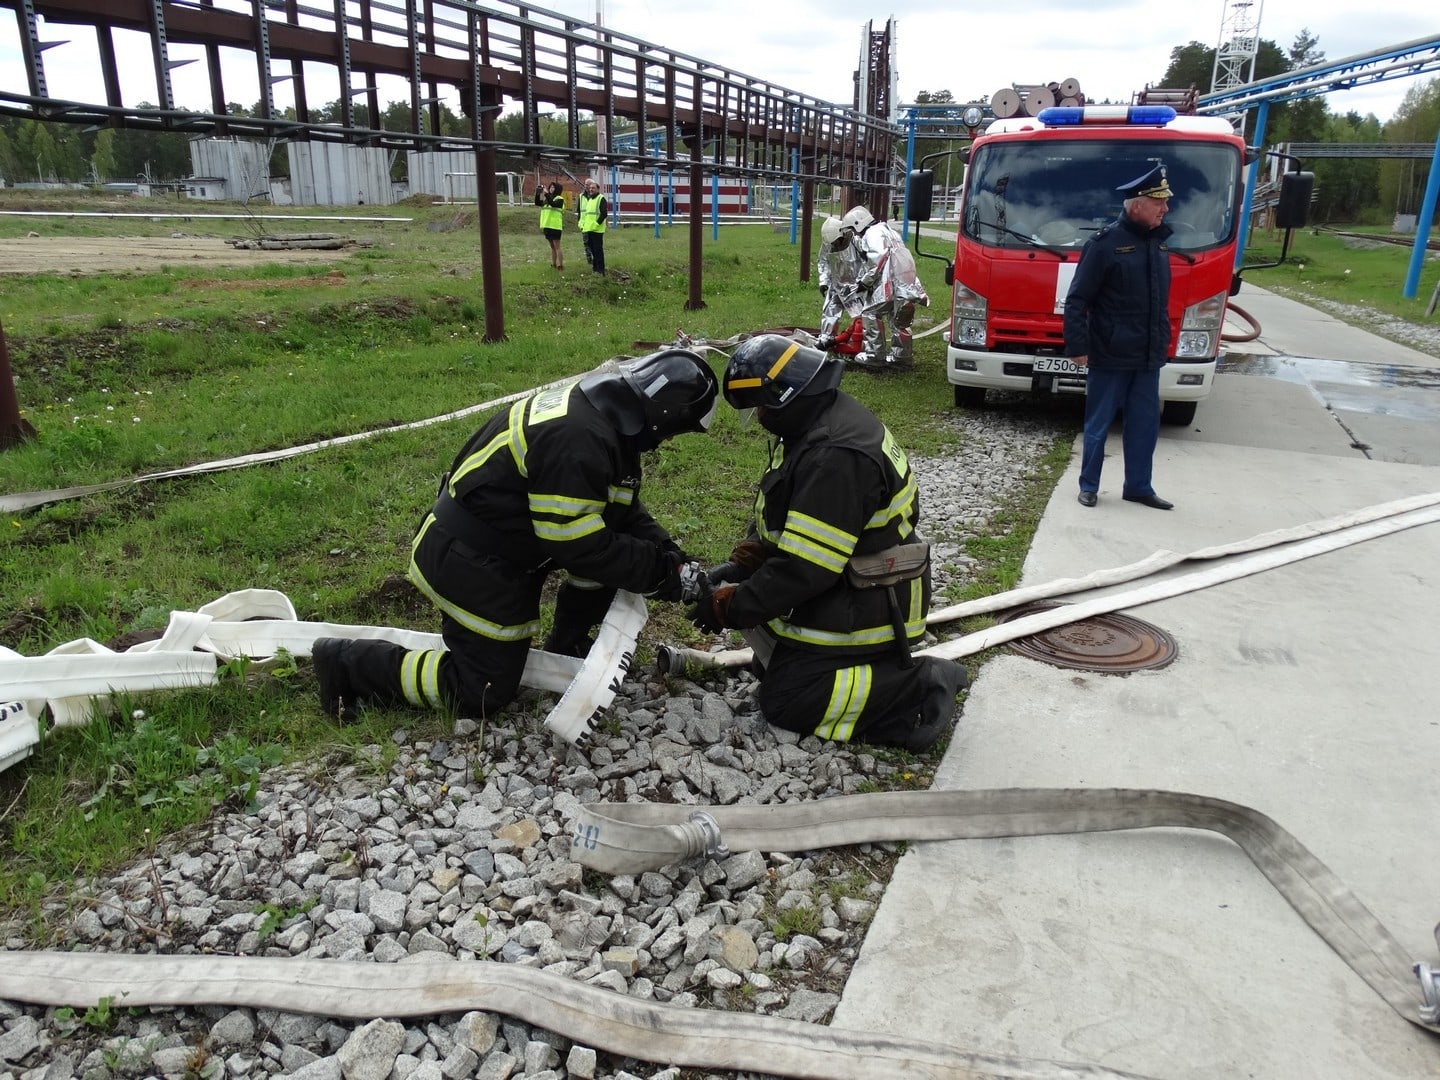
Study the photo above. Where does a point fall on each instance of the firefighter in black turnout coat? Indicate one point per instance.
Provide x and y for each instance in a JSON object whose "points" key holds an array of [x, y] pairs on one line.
{"points": [[832, 585], [554, 484]]}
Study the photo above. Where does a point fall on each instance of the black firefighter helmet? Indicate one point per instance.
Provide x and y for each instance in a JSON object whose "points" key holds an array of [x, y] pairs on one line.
{"points": [[657, 396], [770, 371]]}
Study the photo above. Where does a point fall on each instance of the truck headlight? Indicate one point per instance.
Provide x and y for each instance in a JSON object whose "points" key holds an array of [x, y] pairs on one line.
{"points": [[1208, 314], [1196, 343], [970, 332], [968, 310], [968, 304]]}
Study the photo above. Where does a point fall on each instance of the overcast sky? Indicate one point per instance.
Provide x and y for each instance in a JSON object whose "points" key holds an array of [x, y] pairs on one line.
{"points": [[1112, 47]]}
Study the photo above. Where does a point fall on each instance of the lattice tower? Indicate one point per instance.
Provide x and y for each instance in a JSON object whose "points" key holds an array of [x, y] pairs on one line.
{"points": [[1236, 51]]}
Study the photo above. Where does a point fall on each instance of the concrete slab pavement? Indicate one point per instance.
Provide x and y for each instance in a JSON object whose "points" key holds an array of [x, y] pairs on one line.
{"points": [[1306, 692], [1295, 329]]}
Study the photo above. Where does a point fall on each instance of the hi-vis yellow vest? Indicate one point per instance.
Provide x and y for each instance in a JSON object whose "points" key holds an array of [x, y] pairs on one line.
{"points": [[590, 219], [552, 217]]}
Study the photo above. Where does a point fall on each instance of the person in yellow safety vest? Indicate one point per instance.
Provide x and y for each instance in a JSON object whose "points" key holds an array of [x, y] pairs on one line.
{"points": [[551, 200], [593, 211]]}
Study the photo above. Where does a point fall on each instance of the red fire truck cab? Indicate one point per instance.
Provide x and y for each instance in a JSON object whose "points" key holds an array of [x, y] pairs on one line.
{"points": [[1036, 188]]}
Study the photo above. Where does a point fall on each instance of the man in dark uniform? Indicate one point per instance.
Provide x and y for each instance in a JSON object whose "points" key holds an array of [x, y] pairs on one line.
{"points": [[1117, 327], [554, 484], [838, 498]]}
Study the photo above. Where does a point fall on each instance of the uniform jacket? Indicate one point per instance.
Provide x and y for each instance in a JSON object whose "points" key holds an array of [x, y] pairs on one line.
{"points": [[550, 484], [844, 487], [1116, 309]]}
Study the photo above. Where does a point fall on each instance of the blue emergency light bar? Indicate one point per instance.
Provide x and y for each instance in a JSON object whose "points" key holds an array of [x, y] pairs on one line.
{"points": [[1075, 115]]}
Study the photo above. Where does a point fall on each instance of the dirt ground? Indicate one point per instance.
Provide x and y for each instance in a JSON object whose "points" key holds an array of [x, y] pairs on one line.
{"points": [[95, 255]]}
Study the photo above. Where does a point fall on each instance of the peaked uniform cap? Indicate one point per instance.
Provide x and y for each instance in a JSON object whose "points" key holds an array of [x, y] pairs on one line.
{"points": [[1153, 185]]}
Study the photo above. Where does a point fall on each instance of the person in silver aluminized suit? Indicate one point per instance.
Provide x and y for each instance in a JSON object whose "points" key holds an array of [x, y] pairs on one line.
{"points": [[873, 275]]}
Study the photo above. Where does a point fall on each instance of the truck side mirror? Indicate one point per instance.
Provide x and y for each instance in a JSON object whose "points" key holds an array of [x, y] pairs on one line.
{"points": [[1293, 209], [919, 194]]}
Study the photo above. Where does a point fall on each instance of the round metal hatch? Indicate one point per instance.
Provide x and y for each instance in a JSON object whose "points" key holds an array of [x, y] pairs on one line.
{"points": [[1112, 644]]}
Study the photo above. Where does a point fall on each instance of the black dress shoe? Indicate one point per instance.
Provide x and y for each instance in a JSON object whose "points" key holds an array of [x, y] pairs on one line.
{"points": [[1086, 498], [1152, 501]]}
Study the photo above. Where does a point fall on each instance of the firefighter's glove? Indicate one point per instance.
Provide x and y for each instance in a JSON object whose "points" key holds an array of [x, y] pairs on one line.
{"points": [[747, 557], [671, 550], [710, 613], [825, 343], [824, 289]]}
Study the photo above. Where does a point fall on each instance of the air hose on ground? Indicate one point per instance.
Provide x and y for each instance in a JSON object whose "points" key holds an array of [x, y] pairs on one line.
{"points": [[1248, 335]]}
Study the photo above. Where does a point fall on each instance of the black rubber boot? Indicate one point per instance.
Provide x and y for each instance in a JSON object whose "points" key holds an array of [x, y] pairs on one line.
{"points": [[577, 613], [352, 673], [337, 699], [942, 679]]}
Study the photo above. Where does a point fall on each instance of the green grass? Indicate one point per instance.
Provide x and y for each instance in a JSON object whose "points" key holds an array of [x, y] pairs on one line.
{"points": [[1321, 265], [131, 373], [124, 374]]}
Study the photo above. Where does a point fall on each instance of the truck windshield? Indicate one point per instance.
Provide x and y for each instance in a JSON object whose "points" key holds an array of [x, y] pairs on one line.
{"points": [[1058, 192]]}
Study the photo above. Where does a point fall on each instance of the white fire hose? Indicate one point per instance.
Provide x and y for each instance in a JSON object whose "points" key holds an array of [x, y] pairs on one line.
{"points": [[629, 838], [1275, 548], [600, 1019], [75, 678], [626, 838]]}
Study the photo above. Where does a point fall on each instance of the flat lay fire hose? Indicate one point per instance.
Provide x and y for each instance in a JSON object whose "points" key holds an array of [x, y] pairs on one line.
{"points": [[29, 500], [594, 1017], [261, 624], [1275, 548], [630, 838]]}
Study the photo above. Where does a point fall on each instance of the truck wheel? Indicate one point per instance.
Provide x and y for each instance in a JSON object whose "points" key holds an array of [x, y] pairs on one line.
{"points": [[969, 397], [1179, 413]]}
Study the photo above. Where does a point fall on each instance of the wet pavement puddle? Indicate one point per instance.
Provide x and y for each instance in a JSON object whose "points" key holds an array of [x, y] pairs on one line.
{"points": [[1411, 393]]}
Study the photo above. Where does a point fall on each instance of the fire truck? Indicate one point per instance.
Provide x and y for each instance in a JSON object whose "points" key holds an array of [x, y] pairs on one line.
{"points": [[1036, 188]]}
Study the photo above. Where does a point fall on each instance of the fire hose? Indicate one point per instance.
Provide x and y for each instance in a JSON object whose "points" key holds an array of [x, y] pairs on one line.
{"points": [[602, 1019], [630, 838], [1269, 550], [634, 837]]}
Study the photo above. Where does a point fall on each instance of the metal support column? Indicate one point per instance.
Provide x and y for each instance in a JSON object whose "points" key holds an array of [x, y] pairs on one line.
{"points": [[1423, 223], [13, 428], [1244, 234]]}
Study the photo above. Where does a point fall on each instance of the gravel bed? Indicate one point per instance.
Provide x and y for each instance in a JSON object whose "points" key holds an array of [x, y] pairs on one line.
{"points": [[463, 849]]}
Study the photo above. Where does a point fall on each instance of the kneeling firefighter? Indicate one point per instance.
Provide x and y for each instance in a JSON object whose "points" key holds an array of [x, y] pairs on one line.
{"points": [[554, 484], [832, 585]]}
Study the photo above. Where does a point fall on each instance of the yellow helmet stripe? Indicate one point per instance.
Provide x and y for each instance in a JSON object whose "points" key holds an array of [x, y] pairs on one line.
{"points": [[784, 359]]}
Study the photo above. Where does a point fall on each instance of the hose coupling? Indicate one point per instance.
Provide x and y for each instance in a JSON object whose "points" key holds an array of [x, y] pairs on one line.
{"points": [[1429, 992], [709, 830]]}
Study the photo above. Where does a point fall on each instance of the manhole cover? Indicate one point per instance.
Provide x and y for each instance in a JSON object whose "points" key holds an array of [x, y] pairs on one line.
{"points": [[1111, 644]]}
